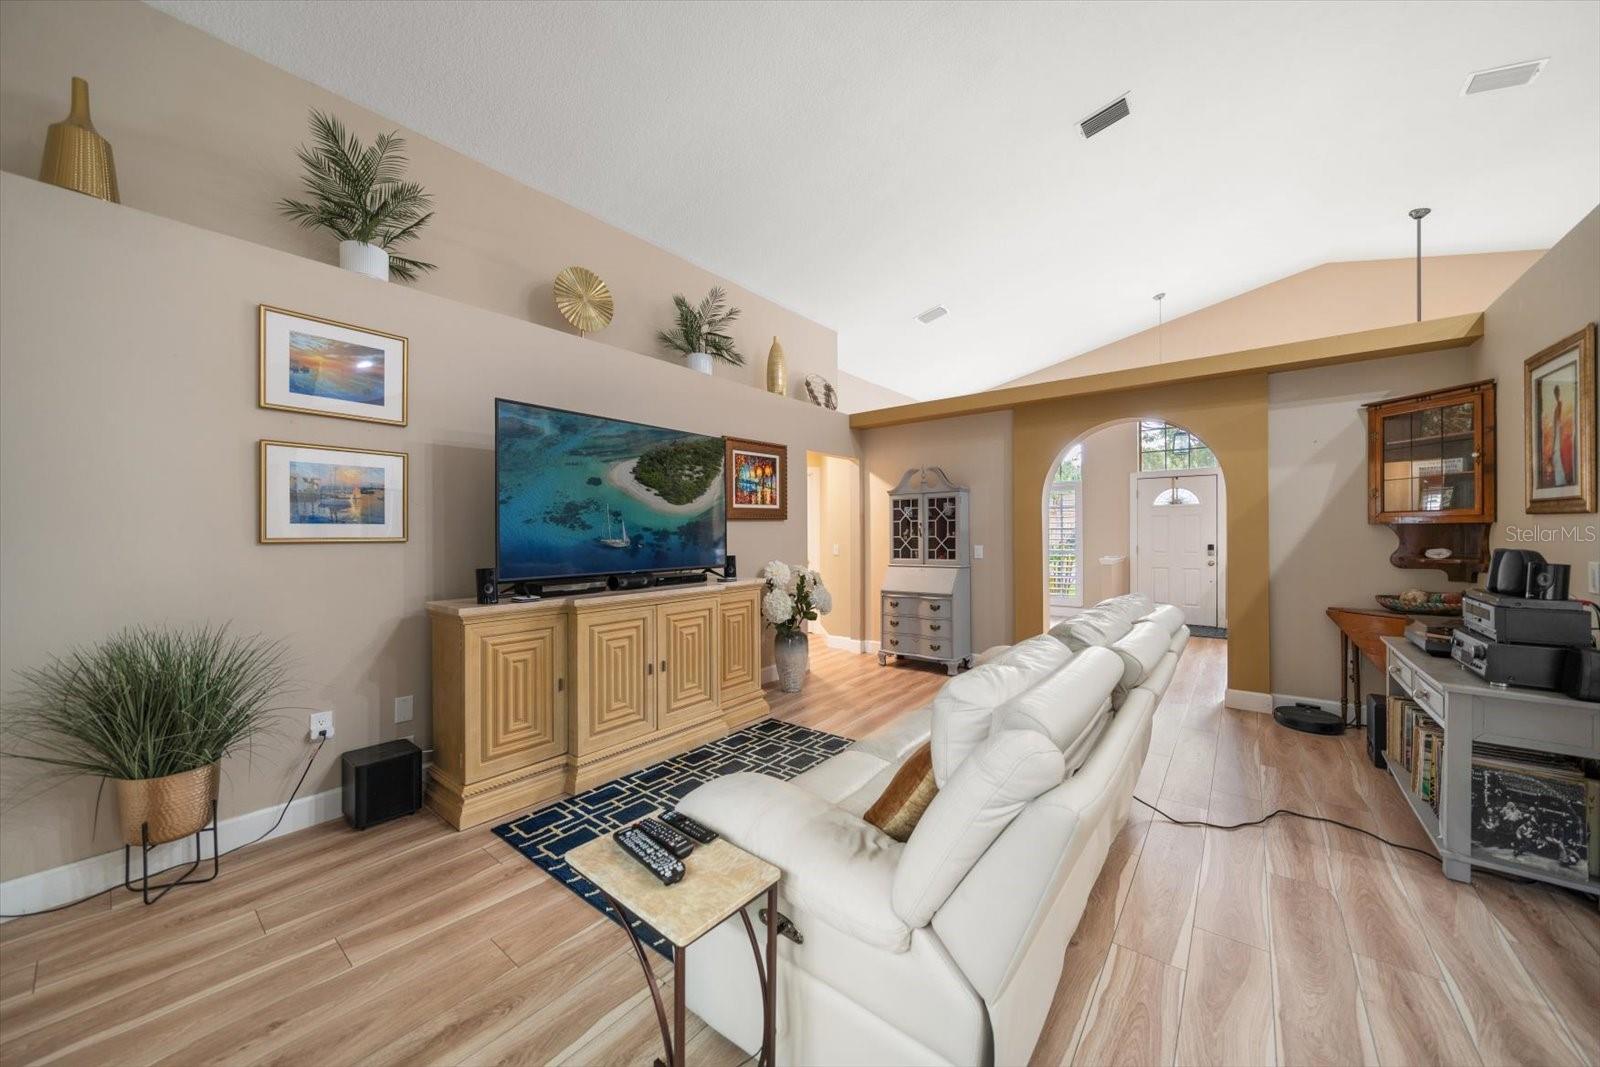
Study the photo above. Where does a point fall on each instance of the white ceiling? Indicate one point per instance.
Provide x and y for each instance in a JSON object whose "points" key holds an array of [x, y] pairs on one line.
{"points": [[859, 162]]}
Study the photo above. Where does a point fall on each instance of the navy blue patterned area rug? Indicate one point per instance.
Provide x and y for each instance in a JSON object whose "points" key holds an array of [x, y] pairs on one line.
{"points": [[771, 747]]}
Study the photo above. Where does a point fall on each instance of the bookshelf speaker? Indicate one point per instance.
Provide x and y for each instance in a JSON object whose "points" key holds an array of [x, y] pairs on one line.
{"points": [[381, 782]]}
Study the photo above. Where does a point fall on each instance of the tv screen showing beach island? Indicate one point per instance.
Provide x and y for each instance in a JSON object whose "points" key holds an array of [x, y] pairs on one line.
{"points": [[581, 495], [338, 370], [334, 494]]}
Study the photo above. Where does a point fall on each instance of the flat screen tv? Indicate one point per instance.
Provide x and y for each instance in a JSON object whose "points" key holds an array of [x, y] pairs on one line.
{"points": [[585, 497]]}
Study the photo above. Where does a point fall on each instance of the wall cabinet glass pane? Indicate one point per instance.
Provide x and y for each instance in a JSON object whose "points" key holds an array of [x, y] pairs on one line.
{"points": [[1431, 457]]}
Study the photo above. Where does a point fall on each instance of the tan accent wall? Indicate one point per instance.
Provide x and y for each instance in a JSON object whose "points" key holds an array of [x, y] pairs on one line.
{"points": [[1110, 456], [128, 430], [1230, 415], [1329, 299], [1557, 296], [1324, 552], [975, 451], [839, 487], [205, 133]]}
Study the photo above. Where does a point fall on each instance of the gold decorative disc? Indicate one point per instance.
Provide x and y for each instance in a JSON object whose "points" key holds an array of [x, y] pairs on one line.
{"points": [[583, 299]]}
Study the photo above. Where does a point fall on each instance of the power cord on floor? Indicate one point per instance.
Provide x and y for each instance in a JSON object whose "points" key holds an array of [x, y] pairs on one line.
{"points": [[1283, 811], [276, 823]]}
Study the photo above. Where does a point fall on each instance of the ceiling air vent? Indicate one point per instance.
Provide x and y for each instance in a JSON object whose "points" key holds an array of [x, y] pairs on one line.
{"points": [[1508, 77], [1112, 112], [933, 314]]}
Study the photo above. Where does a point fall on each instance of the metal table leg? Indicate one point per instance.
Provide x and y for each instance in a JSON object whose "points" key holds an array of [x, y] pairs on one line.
{"points": [[668, 1045]]}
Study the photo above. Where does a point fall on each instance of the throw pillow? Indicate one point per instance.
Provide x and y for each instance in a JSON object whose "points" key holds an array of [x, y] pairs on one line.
{"points": [[910, 792]]}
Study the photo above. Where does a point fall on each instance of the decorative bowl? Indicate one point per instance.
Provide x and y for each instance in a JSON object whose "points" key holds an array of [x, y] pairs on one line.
{"points": [[1430, 604]]}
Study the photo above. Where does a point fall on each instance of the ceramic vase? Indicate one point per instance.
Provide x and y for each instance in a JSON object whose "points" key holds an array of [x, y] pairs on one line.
{"points": [[777, 370], [367, 259], [700, 361], [792, 652], [76, 157]]}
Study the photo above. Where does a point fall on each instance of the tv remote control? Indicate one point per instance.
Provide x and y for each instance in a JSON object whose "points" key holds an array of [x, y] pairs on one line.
{"points": [[681, 822], [667, 837], [655, 859]]}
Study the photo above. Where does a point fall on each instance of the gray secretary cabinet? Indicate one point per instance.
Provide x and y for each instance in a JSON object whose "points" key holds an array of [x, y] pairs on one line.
{"points": [[927, 592]]}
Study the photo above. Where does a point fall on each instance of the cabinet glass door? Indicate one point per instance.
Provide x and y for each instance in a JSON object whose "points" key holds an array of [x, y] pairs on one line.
{"points": [[942, 525], [1430, 459], [905, 525]]}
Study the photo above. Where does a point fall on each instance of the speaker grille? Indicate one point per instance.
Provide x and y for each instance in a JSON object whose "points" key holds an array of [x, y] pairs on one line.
{"points": [[1113, 112]]}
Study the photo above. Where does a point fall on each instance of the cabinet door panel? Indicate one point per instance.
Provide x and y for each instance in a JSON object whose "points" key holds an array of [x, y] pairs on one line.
{"points": [[615, 676], [686, 636], [522, 717], [739, 644]]}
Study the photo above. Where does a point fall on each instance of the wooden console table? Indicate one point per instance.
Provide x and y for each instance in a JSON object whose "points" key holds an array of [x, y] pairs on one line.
{"points": [[1361, 632], [1471, 711]]}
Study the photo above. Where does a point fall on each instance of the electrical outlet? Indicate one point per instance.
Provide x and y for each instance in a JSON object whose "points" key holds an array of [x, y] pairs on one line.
{"points": [[977, 551], [321, 725], [1594, 577], [402, 708], [835, 550]]}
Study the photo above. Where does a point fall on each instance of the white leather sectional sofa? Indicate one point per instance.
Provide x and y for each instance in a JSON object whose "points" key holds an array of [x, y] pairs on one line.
{"points": [[945, 949]]}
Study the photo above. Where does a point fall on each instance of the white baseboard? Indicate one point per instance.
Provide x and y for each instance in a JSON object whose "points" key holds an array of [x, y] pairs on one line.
{"points": [[59, 885], [870, 647], [769, 674], [1245, 700], [847, 644]]}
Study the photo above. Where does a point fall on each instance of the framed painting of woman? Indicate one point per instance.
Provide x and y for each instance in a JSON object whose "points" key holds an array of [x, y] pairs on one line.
{"points": [[1559, 416]]}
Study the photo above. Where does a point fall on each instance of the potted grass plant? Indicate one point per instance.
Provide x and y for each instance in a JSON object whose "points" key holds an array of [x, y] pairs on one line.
{"points": [[359, 194], [700, 333], [155, 710]]}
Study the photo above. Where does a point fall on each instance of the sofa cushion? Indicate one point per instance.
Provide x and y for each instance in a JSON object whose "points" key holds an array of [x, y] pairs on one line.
{"points": [[1091, 628], [838, 776], [1169, 616], [1131, 607], [900, 738], [1141, 648], [898, 810], [980, 799], [963, 707], [1070, 706]]}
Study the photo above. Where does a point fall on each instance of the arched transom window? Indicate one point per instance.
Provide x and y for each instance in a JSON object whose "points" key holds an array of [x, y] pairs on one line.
{"points": [[1165, 447]]}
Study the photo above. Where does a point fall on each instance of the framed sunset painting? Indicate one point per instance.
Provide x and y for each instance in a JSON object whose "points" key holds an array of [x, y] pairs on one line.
{"points": [[1559, 415], [322, 367], [321, 493], [757, 476]]}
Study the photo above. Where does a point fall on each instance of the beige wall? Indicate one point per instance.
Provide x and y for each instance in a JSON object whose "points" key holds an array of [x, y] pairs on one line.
{"points": [[839, 530], [975, 451], [205, 133], [1324, 552], [1333, 298], [128, 431], [1110, 456], [858, 394], [1558, 296]]}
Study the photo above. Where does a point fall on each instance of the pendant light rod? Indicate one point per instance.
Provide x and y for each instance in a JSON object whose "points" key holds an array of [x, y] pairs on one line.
{"points": [[1419, 213], [1160, 355]]}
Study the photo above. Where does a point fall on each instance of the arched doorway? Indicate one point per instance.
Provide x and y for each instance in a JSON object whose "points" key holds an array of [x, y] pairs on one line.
{"points": [[1137, 505]]}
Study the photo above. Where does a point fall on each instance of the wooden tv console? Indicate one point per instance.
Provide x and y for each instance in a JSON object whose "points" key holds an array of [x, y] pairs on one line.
{"points": [[535, 699]]}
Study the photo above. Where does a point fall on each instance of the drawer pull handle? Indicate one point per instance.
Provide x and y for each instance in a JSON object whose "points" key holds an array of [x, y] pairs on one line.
{"points": [[561, 685], [894, 640], [649, 668], [934, 627], [894, 622], [663, 666], [933, 607], [934, 647], [894, 603]]}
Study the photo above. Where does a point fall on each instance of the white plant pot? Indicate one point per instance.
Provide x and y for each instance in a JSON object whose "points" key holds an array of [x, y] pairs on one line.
{"points": [[370, 260], [700, 361]]}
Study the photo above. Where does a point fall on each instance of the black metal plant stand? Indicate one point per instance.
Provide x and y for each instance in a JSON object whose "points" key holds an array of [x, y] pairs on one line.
{"points": [[143, 887]]}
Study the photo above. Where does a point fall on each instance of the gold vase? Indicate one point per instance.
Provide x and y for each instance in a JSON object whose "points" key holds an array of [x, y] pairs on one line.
{"points": [[777, 370], [172, 807], [75, 156]]}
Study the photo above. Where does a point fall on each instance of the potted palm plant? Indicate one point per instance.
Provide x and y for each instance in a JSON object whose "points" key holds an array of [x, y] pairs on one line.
{"points": [[359, 194], [155, 711], [701, 332]]}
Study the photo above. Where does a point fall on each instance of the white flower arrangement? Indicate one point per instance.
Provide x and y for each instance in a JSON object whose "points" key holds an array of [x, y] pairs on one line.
{"points": [[793, 594]]}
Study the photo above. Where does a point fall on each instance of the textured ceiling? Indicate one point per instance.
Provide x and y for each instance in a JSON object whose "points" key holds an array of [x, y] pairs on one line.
{"points": [[859, 162]]}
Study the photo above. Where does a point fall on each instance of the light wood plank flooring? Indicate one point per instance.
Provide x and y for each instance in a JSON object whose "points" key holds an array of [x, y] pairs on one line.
{"points": [[413, 944]]}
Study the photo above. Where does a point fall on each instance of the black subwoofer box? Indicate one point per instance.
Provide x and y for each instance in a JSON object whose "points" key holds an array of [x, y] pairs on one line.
{"points": [[381, 782], [1377, 728]]}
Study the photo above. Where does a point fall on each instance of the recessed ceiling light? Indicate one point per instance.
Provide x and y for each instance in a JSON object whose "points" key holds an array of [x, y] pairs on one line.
{"points": [[933, 314], [1115, 111], [1507, 77]]}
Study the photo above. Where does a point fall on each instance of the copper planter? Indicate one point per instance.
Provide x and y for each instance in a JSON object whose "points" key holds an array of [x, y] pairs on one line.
{"points": [[173, 807]]}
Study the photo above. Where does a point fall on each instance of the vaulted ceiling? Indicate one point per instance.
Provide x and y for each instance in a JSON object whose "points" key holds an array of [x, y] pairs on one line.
{"points": [[860, 162]]}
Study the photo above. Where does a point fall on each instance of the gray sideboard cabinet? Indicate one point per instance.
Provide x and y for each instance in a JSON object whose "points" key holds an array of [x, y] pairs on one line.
{"points": [[926, 604]]}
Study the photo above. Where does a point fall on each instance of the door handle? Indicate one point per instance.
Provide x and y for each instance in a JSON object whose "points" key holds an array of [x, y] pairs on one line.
{"points": [[663, 666], [649, 668], [561, 685]]}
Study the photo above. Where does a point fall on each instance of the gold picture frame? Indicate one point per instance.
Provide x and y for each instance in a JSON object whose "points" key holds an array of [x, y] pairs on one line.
{"points": [[768, 465], [277, 523], [354, 348], [1559, 460]]}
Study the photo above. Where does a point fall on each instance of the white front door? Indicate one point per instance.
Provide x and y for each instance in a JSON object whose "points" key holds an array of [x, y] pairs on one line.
{"points": [[1176, 540]]}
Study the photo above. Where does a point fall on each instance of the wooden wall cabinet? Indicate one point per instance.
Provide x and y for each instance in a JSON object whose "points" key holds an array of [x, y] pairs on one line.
{"points": [[1431, 476], [532, 700]]}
